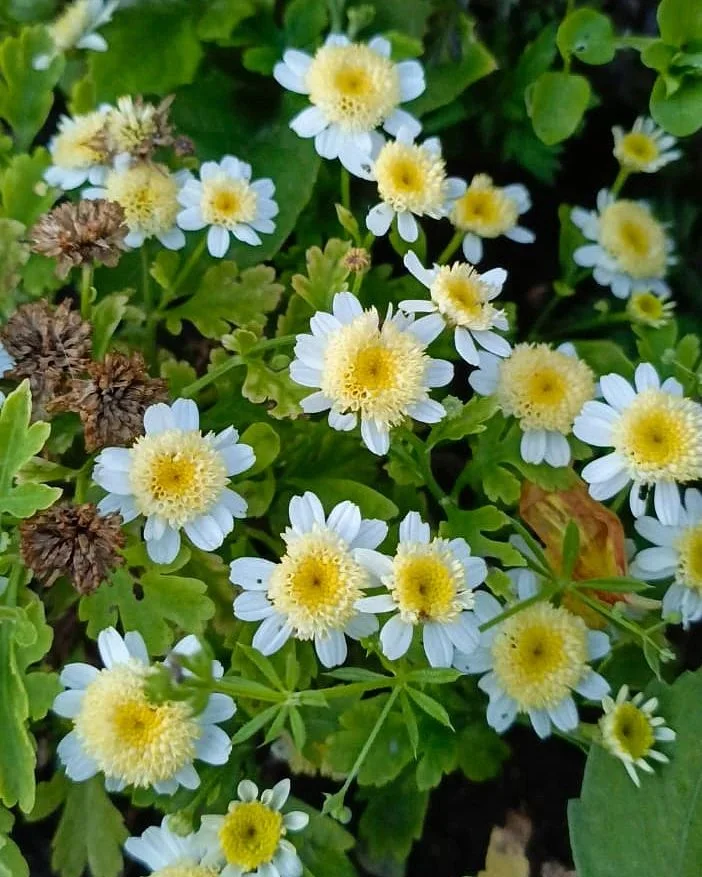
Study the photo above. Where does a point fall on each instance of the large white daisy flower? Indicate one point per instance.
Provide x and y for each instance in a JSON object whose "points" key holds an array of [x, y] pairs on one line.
{"points": [[78, 151], [225, 199], [312, 593], [167, 854], [646, 148], [118, 732], [656, 436], [362, 368], [175, 477], [76, 28], [354, 88]]}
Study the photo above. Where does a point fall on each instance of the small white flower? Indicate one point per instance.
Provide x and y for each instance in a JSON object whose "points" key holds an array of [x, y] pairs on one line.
{"points": [[76, 28], [631, 249], [167, 854], [354, 88], [650, 308], [78, 151], [312, 593], [645, 148], [656, 436], [462, 297], [225, 199], [117, 731], [380, 373], [175, 477]]}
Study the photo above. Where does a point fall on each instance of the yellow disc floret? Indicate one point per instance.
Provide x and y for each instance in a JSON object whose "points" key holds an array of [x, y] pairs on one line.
{"points": [[411, 177], [148, 194], [463, 297], [637, 151], [649, 309], [250, 834], [484, 209], [689, 548], [634, 238], [131, 124], [427, 582], [227, 201], [71, 25], [80, 142], [627, 731]]}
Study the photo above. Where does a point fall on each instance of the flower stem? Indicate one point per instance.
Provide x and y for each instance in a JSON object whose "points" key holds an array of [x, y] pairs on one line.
{"points": [[190, 263], [543, 316], [451, 247], [421, 457], [618, 184], [587, 325], [86, 286], [345, 188]]}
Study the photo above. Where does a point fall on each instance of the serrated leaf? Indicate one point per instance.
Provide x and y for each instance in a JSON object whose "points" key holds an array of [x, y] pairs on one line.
{"points": [[326, 274], [263, 383], [393, 819], [472, 526], [480, 752], [106, 315], [468, 421], [14, 254], [17, 756], [25, 195]]}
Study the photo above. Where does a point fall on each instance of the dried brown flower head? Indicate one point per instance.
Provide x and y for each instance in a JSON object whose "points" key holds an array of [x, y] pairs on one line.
{"points": [[138, 127], [82, 233], [75, 541], [357, 260], [112, 401]]}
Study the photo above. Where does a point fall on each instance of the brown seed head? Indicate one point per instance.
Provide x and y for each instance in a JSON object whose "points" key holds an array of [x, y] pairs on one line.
{"points": [[357, 259]]}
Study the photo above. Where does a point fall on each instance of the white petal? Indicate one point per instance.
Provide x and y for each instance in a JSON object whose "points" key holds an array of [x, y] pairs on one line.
{"points": [[557, 449], [158, 418], [252, 606], [666, 501], [191, 219], [204, 532], [214, 745], [251, 573], [306, 511], [68, 703], [424, 275], [427, 328], [247, 791], [464, 632], [284, 76], [598, 644], [220, 708], [346, 307], [646, 377], [395, 638], [472, 248], [371, 533], [112, 648], [309, 122], [271, 635], [493, 342], [565, 715], [238, 458], [541, 723], [501, 713], [407, 226], [331, 649], [173, 239], [655, 532], [399, 119], [345, 519], [185, 414], [165, 549], [316, 402], [78, 675], [375, 436], [361, 625], [377, 604], [593, 686], [427, 411], [379, 219], [617, 392], [413, 529], [342, 422], [437, 645], [217, 241], [533, 445], [520, 235], [465, 345], [438, 373]]}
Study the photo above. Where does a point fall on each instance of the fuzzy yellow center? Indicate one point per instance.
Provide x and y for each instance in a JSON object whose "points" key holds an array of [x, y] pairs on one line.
{"points": [[130, 125], [544, 388], [353, 86], [250, 835], [634, 239], [689, 547], [660, 437], [177, 475], [186, 870], [637, 151], [539, 655], [227, 202], [463, 297], [410, 177], [650, 309], [130, 738], [80, 142], [427, 583], [628, 729], [71, 25], [148, 194], [484, 209]]}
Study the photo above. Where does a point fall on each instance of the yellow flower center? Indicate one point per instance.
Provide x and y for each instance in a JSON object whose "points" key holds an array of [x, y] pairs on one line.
{"points": [[484, 209], [427, 582], [462, 296], [411, 178], [71, 25], [317, 583], [148, 194], [176, 475], [650, 309], [353, 86], [80, 142], [250, 835], [539, 655], [637, 151], [186, 870], [130, 738], [660, 436], [377, 372], [628, 731], [689, 547], [544, 388], [227, 202], [130, 125], [634, 239]]}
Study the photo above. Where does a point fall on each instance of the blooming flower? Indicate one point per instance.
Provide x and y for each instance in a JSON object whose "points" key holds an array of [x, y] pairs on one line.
{"points": [[650, 308], [645, 148], [76, 28], [630, 731], [631, 249], [312, 593], [485, 210], [117, 731], [79, 151], [463, 299], [175, 477], [381, 373], [430, 584], [225, 199], [167, 854], [250, 839], [354, 88], [544, 389], [656, 436]]}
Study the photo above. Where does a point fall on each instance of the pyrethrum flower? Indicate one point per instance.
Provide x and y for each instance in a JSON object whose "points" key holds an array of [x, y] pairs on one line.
{"points": [[167, 854], [118, 732], [631, 249], [656, 436], [463, 298], [225, 199], [250, 839], [76, 28], [79, 152], [354, 88], [488, 211], [137, 127], [430, 585], [313, 592], [646, 148], [630, 730], [177, 478], [544, 389], [650, 308], [380, 373]]}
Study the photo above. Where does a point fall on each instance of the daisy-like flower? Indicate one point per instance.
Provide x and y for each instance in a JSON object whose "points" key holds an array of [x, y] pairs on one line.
{"points": [[631, 249], [118, 732], [630, 730], [430, 585], [79, 151], [137, 127], [354, 88], [312, 593], [650, 308], [656, 436], [677, 554], [488, 211], [544, 389], [76, 28], [362, 368], [225, 199], [167, 854], [249, 841], [646, 148], [535, 660], [463, 298], [177, 478]]}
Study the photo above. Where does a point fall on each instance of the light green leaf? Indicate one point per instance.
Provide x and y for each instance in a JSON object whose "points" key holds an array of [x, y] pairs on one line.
{"points": [[588, 35], [467, 420], [25, 195], [326, 275], [680, 21], [220, 17], [17, 756], [266, 444], [178, 374], [679, 113], [472, 526], [331, 491], [430, 706], [556, 103], [14, 254], [106, 316]]}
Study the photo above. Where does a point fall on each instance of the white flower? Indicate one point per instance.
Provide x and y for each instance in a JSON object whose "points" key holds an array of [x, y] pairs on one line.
{"points": [[354, 88], [678, 555], [533, 662], [7, 362], [175, 477], [645, 148], [225, 199], [168, 854], [631, 249], [76, 28], [430, 585], [544, 389], [78, 151], [488, 211], [249, 841], [650, 308], [381, 373], [117, 731], [656, 436], [463, 299], [312, 593]]}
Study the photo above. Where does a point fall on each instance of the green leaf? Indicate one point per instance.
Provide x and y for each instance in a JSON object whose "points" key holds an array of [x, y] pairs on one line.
{"points": [[472, 525], [680, 21], [14, 254], [178, 374], [106, 316], [220, 17], [17, 756], [430, 706], [410, 721], [588, 35], [326, 274], [679, 113], [266, 444], [12, 863], [41, 688], [256, 723], [262, 664], [480, 752], [393, 819], [500, 485], [467, 420], [322, 846], [331, 491], [434, 675], [570, 549], [604, 357], [438, 755], [304, 21], [25, 195], [556, 103], [265, 383]]}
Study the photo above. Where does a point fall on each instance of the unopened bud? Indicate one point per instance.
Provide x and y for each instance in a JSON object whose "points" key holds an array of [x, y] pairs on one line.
{"points": [[357, 259]]}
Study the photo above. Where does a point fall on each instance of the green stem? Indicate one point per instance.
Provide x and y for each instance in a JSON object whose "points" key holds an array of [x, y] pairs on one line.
{"points": [[514, 610], [336, 15], [451, 247], [191, 262], [624, 623], [345, 188], [10, 595], [86, 286], [621, 178], [422, 458], [599, 323], [358, 282], [543, 316]]}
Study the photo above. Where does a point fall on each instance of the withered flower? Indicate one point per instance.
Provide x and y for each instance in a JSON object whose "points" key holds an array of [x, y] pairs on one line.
{"points": [[357, 259], [139, 127]]}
